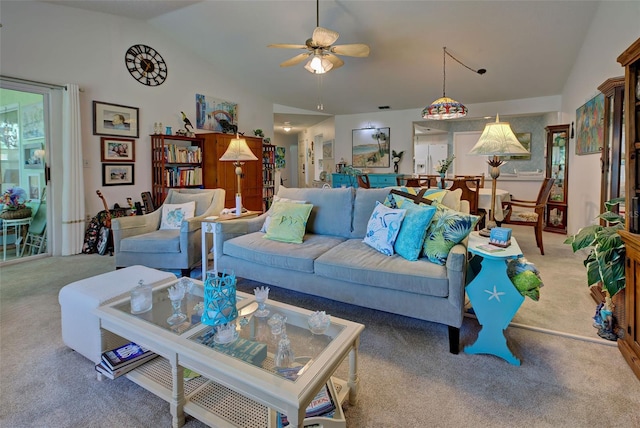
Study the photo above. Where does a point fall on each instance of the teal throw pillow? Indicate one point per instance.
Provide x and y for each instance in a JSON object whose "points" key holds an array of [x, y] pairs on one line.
{"points": [[288, 222], [383, 227], [413, 231], [447, 228]]}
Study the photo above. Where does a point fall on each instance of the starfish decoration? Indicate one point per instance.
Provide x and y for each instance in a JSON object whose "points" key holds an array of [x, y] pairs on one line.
{"points": [[495, 293]]}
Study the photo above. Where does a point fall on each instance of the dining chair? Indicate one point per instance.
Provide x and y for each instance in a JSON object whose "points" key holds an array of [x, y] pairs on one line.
{"points": [[428, 180], [472, 177], [533, 212], [363, 181], [36, 239], [470, 192]]}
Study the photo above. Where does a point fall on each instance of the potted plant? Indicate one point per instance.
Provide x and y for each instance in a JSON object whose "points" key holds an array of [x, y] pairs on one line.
{"points": [[13, 203], [606, 258]]}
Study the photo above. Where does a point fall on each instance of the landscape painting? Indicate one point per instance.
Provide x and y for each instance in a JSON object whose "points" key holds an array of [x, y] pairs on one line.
{"points": [[371, 148]]}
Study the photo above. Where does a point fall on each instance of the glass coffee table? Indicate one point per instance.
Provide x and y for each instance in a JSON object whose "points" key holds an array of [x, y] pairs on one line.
{"points": [[235, 389]]}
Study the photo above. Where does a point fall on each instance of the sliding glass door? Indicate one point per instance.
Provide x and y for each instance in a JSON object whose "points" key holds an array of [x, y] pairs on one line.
{"points": [[23, 178]]}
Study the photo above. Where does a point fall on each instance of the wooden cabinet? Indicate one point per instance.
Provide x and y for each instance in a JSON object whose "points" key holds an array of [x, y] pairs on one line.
{"points": [[629, 345], [612, 155], [222, 174], [557, 168], [268, 175], [176, 162]]}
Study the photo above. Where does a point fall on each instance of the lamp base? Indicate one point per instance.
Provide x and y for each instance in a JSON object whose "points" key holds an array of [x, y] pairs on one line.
{"points": [[238, 205]]}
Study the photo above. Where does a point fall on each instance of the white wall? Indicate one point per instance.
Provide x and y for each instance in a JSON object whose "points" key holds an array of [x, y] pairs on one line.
{"points": [[327, 130], [58, 44], [290, 144], [615, 27]]}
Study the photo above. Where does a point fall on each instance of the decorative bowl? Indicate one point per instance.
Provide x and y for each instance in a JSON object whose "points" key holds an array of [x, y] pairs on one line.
{"points": [[319, 322]]}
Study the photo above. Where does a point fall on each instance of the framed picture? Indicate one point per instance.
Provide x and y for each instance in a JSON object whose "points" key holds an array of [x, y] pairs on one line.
{"points": [[117, 150], [371, 148], [32, 121], [590, 126], [327, 149], [214, 114], [114, 119], [33, 156], [34, 187], [117, 174]]}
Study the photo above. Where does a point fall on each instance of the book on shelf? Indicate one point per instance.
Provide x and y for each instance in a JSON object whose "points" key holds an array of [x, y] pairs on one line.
{"points": [[102, 367], [123, 355], [322, 405]]}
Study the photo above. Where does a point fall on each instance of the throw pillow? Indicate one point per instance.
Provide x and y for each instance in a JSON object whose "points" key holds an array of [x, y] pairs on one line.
{"points": [[276, 199], [413, 230], [383, 227], [288, 222], [448, 228], [396, 201], [174, 214]]}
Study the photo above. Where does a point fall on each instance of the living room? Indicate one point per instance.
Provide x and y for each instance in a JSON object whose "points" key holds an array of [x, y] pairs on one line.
{"points": [[45, 42]]}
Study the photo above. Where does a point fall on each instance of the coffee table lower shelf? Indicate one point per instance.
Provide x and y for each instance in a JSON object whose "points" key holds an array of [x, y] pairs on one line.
{"points": [[219, 406]]}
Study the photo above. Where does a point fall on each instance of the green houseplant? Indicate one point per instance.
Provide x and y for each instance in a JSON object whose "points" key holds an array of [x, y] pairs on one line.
{"points": [[605, 261]]}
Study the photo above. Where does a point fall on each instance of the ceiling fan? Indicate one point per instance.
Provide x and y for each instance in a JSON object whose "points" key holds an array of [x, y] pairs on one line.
{"points": [[320, 50]]}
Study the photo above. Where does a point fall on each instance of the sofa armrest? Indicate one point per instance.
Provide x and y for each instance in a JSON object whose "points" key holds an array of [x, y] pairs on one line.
{"points": [[231, 228], [457, 273], [124, 227]]}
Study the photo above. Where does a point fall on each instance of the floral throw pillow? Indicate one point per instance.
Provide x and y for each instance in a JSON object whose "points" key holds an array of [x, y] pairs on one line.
{"points": [[174, 214], [447, 228], [383, 227]]}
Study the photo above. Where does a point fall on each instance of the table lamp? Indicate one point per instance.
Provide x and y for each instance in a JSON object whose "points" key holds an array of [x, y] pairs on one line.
{"points": [[238, 152], [496, 140]]}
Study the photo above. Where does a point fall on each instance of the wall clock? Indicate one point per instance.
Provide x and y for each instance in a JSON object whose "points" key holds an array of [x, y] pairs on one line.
{"points": [[146, 65]]}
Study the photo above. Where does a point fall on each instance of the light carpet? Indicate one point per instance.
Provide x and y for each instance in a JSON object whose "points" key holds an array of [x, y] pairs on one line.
{"points": [[407, 376]]}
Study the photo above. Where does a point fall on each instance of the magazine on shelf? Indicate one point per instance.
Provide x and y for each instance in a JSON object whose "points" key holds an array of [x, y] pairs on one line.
{"points": [[123, 355], [321, 406], [112, 374]]}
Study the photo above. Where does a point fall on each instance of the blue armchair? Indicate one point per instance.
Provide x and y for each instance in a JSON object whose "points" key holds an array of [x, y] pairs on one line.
{"points": [[138, 240]]}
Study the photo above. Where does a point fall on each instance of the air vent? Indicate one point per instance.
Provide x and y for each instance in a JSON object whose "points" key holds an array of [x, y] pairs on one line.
{"points": [[384, 107]]}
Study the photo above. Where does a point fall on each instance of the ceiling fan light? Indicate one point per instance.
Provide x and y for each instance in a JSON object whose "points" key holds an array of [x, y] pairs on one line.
{"points": [[444, 108], [318, 64], [287, 127]]}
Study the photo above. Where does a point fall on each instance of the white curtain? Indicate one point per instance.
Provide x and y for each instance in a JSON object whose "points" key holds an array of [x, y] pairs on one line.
{"points": [[72, 178]]}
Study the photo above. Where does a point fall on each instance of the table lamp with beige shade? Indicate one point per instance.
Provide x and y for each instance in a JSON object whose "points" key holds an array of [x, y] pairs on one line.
{"points": [[238, 152], [496, 140]]}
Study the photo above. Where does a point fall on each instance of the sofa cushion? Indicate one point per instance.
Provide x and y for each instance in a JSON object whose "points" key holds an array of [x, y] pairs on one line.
{"points": [[158, 241], [288, 222], [383, 228], [354, 261], [332, 208], [174, 214], [413, 230], [448, 227], [298, 257], [363, 205]]}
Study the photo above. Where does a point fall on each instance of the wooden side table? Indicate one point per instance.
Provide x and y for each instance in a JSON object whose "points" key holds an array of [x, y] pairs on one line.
{"points": [[208, 226], [494, 298]]}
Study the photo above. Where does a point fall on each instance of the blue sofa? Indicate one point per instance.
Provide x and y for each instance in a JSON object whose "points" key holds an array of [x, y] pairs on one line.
{"points": [[334, 263]]}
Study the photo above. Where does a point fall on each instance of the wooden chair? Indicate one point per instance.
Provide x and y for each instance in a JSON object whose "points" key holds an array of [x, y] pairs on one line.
{"points": [[534, 215], [363, 181], [428, 180], [473, 177], [470, 192]]}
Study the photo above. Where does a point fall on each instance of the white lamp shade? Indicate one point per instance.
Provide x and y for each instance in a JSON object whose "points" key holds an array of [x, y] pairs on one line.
{"points": [[498, 139], [238, 151], [318, 64]]}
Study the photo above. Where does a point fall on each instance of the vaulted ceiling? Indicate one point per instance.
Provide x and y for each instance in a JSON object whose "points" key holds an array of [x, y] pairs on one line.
{"points": [[527, 47]]}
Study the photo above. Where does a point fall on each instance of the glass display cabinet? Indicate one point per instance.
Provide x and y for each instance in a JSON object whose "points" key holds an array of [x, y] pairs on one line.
{"points": [[557, 168]]}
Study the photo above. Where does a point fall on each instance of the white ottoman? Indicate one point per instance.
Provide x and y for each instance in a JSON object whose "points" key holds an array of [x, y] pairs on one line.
{"points": [[80, 327]]}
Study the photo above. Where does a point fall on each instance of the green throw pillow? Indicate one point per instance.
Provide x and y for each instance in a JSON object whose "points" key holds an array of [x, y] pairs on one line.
{"points": [[288, 222], [413, 230], [447, 228]]}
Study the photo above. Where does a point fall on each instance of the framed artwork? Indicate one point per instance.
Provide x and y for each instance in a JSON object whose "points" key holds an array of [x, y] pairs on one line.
{"points": [[525, 140], [32, 121], [117, 150], [280, 157], [371, 148], [590, 126], [34, 186], [327, 149], [114, 119], [215, 114], [33, 155], [117, 174]]}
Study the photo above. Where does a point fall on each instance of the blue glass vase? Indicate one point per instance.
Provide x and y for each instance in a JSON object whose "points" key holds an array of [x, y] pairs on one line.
{"points": [[219, 299]]}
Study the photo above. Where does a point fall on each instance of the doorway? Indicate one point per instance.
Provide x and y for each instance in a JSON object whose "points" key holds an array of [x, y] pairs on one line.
{"points": [[24, 145]]}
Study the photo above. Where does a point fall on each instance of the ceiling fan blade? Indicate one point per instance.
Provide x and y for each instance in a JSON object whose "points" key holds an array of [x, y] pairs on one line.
{"points": [[287, 46], [337, 62], [358, 50], [323, 37], [295, 60]]}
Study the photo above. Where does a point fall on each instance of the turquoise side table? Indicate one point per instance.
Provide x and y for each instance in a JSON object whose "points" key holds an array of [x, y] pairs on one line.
{"points": [[494, 298]]}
